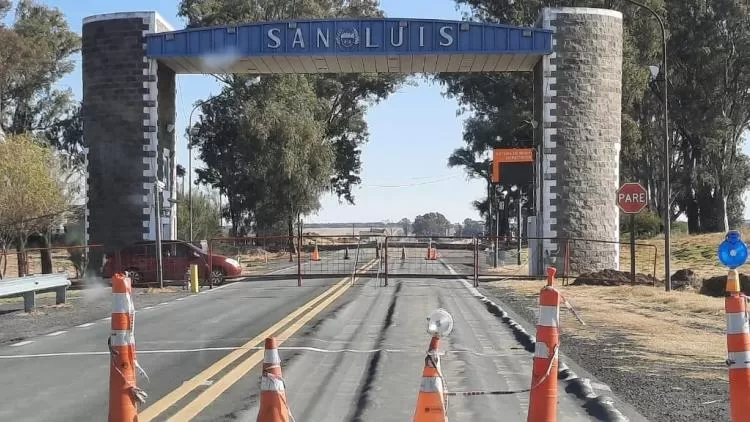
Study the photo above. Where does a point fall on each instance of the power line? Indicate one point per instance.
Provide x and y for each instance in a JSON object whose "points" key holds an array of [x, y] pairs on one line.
{"points": [[412, 184]]}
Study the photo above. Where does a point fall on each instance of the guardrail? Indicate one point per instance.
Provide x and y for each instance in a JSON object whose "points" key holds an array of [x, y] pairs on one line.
{"points": [[29, 286]]}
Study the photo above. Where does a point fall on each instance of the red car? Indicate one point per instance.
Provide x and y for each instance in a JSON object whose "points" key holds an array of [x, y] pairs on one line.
{"points": [[140, 261]]}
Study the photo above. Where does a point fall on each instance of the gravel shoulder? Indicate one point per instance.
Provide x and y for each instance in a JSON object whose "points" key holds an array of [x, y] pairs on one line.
{"points": [[82, 306], [662, 353]]}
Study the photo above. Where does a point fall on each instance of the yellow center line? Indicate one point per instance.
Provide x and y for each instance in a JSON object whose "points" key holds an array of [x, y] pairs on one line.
{"points": [[213, 392], [176, 395]]}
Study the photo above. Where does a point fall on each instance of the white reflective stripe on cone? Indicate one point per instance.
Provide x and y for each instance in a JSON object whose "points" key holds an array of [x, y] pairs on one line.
{"points": [[737, 323], [122, 303], [122, 338], [431, 385], [272, 356], [541, 350], [271, 383], [739, 360], [549, 316]]}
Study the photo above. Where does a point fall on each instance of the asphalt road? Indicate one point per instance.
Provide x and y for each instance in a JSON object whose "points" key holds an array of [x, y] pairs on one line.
{"points": [[359, 359]]}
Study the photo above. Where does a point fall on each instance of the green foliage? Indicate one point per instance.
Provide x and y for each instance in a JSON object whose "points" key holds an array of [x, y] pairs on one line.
{"points": [[647, 224], [206, 216], [472, 228], [35, 53], [342, 99], [709, 75], [31, 196], [265, 150], [431, 224], [405, 226]]}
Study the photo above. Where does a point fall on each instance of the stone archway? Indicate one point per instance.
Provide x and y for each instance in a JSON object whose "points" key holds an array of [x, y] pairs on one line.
{"points": [[130, 61]]}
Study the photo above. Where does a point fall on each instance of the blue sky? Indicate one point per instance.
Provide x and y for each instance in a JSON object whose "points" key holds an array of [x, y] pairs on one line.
{"points": [[411, 134]]}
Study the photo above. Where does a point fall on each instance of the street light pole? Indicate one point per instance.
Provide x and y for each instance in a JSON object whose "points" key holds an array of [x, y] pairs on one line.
{"points": [[190, 168], [667, 153], [157, 219]]}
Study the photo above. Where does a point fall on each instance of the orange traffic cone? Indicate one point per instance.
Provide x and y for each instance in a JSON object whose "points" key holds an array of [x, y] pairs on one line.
{"points": [[316, 253], [543, 395], [273, 407], [431, 399], [123, 392], [738, 348]]}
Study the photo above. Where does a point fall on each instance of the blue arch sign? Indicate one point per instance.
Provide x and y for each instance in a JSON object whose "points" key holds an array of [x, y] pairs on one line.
{"points": [[343, 46]]}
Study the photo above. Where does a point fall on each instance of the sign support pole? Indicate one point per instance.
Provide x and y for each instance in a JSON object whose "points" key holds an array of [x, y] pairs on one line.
{"points": [[520, 220], [632, 248]]}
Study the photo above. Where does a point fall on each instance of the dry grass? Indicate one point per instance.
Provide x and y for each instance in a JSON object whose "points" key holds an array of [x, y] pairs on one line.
{"points": [[47, 295], [60, 263], [695, 252], [676, 330], [157, 290]]}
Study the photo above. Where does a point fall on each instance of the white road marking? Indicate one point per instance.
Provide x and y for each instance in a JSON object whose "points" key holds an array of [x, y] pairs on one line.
{"points": [[88, 324], [21, 343], [56, 333], [225, 349], [163, 303], [147, 307], [180, 298], [207, 383], [106, 319]]}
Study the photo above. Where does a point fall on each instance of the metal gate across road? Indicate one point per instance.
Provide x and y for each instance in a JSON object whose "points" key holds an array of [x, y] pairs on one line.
{"points": [[430, 257], [408, 257]]}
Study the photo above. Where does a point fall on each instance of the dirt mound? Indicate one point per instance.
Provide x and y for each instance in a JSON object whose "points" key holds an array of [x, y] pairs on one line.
{"points": [[716, 286], [685, 279], [613, 278]]}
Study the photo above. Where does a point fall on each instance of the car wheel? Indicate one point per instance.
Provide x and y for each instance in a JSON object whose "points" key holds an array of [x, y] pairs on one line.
{"points": [[136, 277], [217, 277]]}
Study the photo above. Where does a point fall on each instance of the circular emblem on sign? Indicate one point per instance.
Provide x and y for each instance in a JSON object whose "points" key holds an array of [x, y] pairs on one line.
{"points": [[347, 38]]}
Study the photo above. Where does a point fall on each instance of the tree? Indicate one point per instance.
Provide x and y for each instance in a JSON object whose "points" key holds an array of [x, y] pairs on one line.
{"points": [[343, 99], [431, 224], [265, 151], [35, 53], [712, 83], [472, 228], [32, 197], [206, 216], [708, 49], [405, 225]]}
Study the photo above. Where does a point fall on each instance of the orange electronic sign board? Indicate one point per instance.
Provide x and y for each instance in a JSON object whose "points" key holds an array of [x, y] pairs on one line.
{"points": [[512, 156]]}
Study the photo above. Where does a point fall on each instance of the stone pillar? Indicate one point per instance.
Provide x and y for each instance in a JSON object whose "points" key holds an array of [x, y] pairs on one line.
{"points": [[579, 137], [129, 126]]}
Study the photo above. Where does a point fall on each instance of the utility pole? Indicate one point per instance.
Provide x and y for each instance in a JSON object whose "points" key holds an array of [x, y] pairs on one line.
{"points": [[157, 220], [518, 249], [667, 159]]}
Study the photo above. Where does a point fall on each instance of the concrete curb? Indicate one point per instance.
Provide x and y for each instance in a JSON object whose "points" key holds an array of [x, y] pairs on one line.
{"points": [[600, 407]]}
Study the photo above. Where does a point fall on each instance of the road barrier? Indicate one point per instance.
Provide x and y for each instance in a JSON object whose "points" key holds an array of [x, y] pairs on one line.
{"points": [[738, 349], [273, 405], [431, 404], [543, 394], [441, 257], [124, 394], [29, 286]]}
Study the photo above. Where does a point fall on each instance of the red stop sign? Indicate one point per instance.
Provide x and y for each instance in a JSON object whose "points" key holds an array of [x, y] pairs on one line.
{"points": [[632, 198]]}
